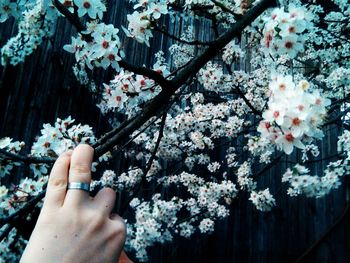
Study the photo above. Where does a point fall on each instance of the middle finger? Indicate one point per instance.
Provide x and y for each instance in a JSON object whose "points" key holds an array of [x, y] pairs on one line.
{"points": [[80, 172]]}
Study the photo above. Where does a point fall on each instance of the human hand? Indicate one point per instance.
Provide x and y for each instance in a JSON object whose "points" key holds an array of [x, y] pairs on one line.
{"points": [[72, 226]]}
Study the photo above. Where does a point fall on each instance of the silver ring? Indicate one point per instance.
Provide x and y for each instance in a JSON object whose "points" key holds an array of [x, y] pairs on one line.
{"points": [[79, 186]]}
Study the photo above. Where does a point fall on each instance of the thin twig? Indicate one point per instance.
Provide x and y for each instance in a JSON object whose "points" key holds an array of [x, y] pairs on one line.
{"points": [[150, 161], [23, 210]]}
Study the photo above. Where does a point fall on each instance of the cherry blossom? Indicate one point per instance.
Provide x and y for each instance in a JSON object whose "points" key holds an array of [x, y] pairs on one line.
{"points": [[7, 9], [293, 113], [93, 8]]}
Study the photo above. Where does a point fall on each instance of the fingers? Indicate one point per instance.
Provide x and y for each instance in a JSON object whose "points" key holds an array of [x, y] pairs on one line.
{"points": [[57, 184], [80, 171], [119, 227], [104, 201]]}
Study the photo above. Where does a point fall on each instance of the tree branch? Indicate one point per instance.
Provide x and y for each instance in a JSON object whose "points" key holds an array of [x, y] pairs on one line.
{"points": [[211, 51], [22, 211], [25, 159], [150, 161], [74, 20], [194, 42], [303, 257], [160, 102]]}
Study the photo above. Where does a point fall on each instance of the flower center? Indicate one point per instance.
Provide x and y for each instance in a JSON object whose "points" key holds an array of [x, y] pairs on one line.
{"points": [[296, 121], [276, 114], [111, 57], [288, 45], [291, 29], [67, 3], [125, 87], [268, 40], [105, 44], [87, 5], [289, 137], [282, 87]]}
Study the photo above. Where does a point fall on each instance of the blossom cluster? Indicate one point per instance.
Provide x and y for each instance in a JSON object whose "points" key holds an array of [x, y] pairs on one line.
{"points": [[219, 9], [260, 147], [60, 137], [127, 180], [263, 200], [232, 52], [38, 22], [140, 22], [301, 182], [11, 248], [310, 148], [244, 179], [152, 222], [182, 53], [54, 140], [343, 145], [294, 114], [11, 199], [155, 218], [128, 90], [213, 78], [8, 145], [93, 8], [14, 197], [8, 9], [102, 50], [284, 31]]}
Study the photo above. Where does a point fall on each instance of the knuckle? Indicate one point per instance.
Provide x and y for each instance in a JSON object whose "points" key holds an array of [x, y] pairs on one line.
{"points": [[80, 168], [47, 215], [57, 182], [97, 222], [119, 228]]}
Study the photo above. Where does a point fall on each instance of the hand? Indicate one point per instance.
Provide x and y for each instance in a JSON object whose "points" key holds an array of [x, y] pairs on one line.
{"points": [[72, 226]]}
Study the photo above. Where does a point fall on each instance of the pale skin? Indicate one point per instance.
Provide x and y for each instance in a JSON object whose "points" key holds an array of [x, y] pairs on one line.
{"points": [[72, 226]]}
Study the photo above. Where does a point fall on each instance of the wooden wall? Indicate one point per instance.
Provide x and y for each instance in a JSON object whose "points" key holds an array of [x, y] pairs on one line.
{"points": [[44, 88]]}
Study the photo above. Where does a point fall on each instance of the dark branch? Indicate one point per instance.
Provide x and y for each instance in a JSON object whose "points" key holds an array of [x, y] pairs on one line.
{"points": [[161, 101], [23, 210], [157, 77], [194, 42], [160, 136], [329, 231], [211, 51], [150, 161], [25, 159], [74, 20]]}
